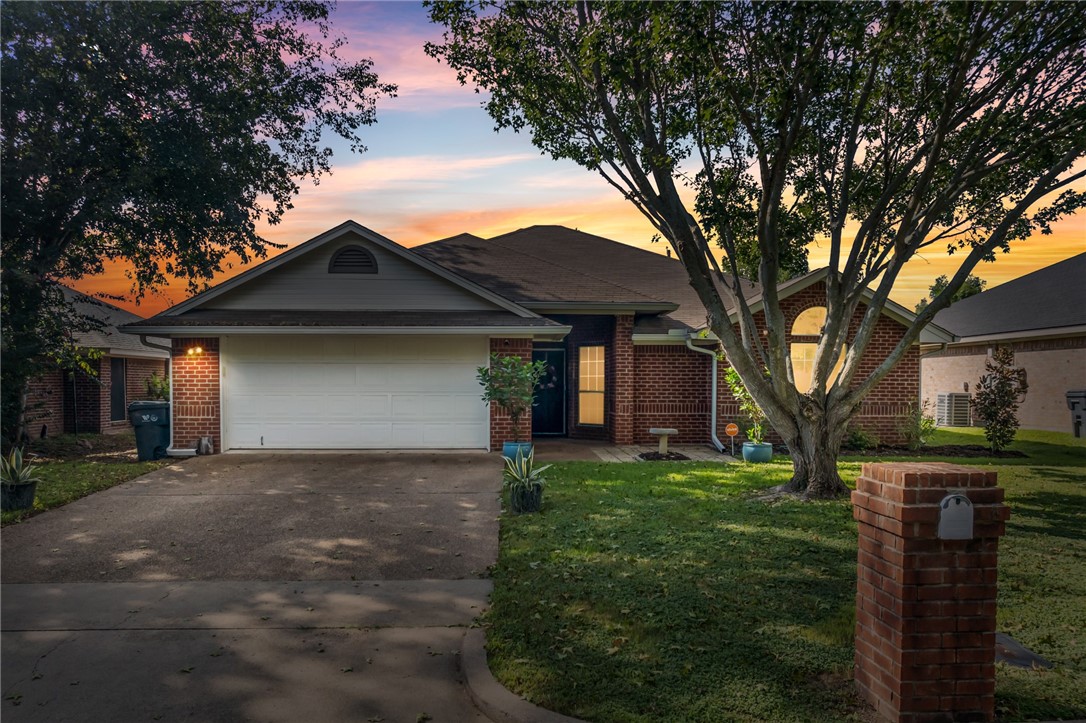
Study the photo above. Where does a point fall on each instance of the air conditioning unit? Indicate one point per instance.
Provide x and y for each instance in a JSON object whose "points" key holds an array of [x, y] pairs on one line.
{"points": [[952, 410]]}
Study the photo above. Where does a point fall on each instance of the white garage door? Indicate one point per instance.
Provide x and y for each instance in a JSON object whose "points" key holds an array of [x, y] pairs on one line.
{"points": [[353, 392]]}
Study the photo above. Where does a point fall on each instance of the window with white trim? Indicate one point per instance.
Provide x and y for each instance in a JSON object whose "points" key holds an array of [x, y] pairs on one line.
{"points": [[591, 378]]}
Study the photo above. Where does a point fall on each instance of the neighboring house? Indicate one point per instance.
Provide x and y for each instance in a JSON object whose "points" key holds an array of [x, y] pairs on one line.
{"points": [[353, 341], [60, 401], [1042, 317]]}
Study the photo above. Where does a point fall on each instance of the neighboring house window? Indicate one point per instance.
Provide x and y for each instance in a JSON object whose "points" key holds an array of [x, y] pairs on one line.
{"points": [[590, 382], [809, 324], [352, 260], [117, 379]]}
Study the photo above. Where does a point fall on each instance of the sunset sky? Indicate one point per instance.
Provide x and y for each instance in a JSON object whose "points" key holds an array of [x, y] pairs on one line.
{"points": [[435, 168]]}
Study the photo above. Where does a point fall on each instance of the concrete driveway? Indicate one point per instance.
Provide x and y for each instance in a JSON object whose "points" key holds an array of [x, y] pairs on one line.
{"points": [[253, 587]]}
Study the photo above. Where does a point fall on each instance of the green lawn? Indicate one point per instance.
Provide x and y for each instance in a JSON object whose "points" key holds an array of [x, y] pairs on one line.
{"points": [[664, 591], [71, 467]]}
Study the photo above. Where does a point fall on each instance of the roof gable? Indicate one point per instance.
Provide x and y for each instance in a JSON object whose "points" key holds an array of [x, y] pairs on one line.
{"points": [[302, 279]]}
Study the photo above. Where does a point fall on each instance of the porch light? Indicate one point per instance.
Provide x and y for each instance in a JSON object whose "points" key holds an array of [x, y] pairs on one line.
{"points": [[194, 350]]}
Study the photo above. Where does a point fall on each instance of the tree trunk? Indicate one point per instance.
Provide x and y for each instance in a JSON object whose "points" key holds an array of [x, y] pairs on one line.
{"points": [[814, 454]]}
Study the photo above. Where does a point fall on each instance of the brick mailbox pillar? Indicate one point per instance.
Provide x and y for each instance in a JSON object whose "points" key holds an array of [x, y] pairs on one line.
{"points": [[925, 604]]}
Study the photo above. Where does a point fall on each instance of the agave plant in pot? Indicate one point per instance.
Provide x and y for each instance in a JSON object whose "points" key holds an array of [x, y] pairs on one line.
{"points": [[525, 482], [18, 482], [757, 449], [510, 383]]}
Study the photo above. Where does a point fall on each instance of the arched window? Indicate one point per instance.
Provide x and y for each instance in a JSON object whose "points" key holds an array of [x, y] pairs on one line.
{"points": [[810, 323], [352, 260]]}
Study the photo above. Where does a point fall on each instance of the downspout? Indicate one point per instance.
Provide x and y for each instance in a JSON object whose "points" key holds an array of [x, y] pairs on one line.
{"points": [[713, 384]]}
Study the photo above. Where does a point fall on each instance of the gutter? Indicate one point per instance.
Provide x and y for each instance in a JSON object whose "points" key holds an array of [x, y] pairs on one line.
{"points": [[146, 342], [713, 382]]}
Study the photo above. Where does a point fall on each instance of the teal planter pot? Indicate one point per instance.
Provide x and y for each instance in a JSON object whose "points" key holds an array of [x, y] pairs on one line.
{"points": [[509, 449], [757, 452]]}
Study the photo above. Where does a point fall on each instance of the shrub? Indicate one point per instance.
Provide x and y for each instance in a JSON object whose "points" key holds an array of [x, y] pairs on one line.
{"points": [[917, 425], [861, 439], [158, 387], [510, 383], [747, 405], [997, 397]]}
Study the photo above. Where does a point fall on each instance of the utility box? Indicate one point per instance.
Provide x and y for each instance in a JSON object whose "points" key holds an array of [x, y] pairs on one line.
{"points": [[1076, 402], [151, 421]]}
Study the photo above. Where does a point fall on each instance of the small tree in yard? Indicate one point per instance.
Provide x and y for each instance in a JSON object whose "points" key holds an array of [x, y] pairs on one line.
{"points": [[510, 383], [747, 405], [750, 129], [997, 397]]}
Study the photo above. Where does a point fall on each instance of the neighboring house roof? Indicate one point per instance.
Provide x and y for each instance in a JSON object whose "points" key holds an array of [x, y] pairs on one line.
{"points": [[1043, 302], [108, 338]]}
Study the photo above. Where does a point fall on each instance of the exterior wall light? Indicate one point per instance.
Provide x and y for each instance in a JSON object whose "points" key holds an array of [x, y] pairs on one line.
{"points": [[194, 350]]}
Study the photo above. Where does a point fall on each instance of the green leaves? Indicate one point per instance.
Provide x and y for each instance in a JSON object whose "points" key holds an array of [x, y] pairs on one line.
{"points": [[510, 383]]}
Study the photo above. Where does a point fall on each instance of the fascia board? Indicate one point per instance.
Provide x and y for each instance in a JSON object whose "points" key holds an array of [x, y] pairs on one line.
{"points": [[200, 331]]}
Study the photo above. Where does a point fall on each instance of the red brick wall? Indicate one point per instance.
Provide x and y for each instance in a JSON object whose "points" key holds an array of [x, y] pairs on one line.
{"points": [[501, 425], [672, 389], [926, 607], [622, 373], [83, 399], [45, 404], [139, 371], [196, 401]]}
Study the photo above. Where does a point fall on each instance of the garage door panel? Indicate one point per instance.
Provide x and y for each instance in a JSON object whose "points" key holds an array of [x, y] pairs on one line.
{"points": [[353, 393]]}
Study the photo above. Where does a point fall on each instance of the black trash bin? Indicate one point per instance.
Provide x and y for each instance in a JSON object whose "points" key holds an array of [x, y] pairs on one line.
{"points": [[152, 423], [1076, 402]]}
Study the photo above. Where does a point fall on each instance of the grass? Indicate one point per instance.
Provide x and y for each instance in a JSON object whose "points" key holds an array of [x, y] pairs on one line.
{"points": [[71, 467], [665, 591]]}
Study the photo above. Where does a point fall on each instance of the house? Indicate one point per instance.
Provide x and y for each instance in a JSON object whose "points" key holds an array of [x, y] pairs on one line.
{"points": [[60, 401], [353, 341], [1042, 317]]}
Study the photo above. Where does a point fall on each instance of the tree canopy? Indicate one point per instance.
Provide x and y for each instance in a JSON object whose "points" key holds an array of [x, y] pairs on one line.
{"points": [[972, 286], [157, 134], [881, 129]]}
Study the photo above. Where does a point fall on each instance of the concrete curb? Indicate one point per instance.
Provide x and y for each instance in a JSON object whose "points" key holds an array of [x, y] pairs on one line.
{"points": [[491, 697]]}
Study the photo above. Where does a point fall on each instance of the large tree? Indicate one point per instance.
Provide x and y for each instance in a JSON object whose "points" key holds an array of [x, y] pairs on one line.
{"points": [[972, 286], [155, 134], [883, 128]]}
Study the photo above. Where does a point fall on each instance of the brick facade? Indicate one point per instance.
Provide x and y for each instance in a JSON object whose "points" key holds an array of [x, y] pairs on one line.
{"points": [[197, 407], [64, 404], [622, 368], [926, 607], [671, 386], [501, 425], [1053, 368]]}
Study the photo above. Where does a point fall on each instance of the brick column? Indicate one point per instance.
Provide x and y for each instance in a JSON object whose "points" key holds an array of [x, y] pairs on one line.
{"points": [[622, 375], [926, 607], [196, 408], [501, 425]]}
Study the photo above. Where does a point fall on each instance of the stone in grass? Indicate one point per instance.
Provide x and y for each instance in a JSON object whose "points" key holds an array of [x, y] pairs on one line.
{"points": [[666, 457], [1012, 652]]}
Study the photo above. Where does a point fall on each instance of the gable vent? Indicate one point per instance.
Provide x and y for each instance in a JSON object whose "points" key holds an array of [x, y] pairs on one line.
{"points": [[352, 260]]}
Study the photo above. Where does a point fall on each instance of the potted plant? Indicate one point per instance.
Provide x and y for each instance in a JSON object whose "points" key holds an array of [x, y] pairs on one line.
{"points": [[525, 482], [756, 450], [510, 383], [18, 482]]}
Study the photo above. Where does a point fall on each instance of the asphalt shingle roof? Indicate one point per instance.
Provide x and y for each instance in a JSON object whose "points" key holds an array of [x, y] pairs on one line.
{"points": [[108, 337], [1049, 298], [556, 264]]}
